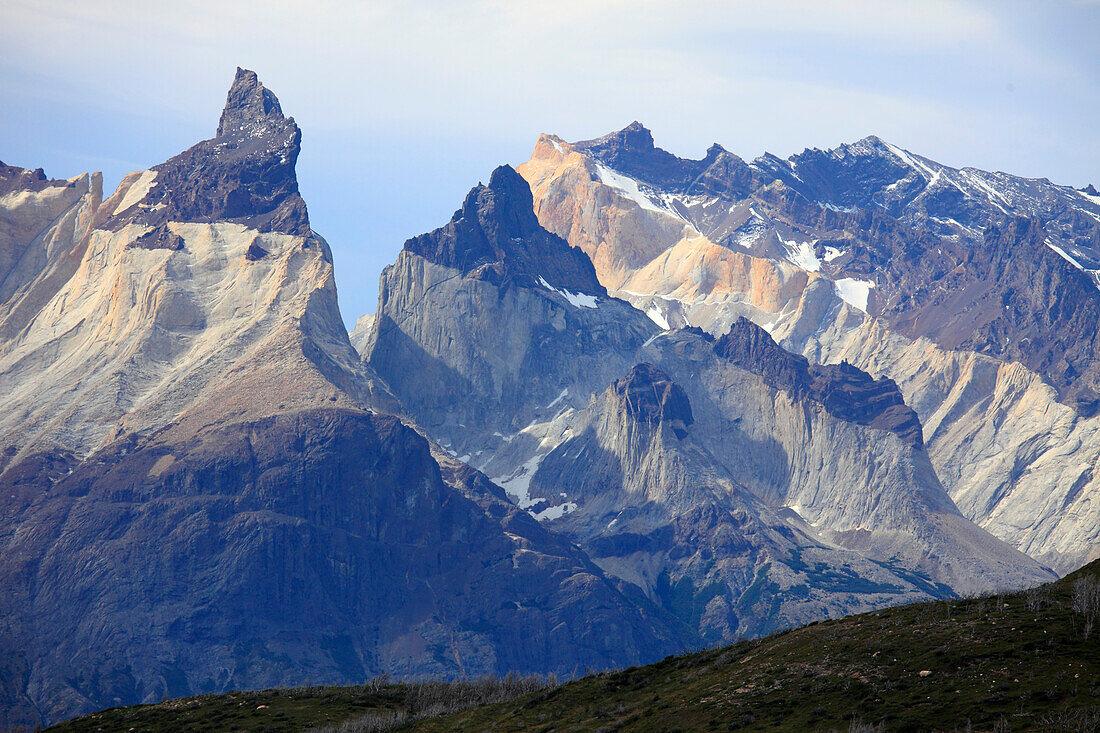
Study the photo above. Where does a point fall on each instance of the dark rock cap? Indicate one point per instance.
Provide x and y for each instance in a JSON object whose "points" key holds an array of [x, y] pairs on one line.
{"points": [[14, 178], [496, 237], [247, 103], [244, 175], [631, 151], [651, 398], [845, 391]]}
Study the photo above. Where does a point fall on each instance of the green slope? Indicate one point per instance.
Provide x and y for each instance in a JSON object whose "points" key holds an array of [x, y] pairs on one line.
{"points": [[1013, 662]]}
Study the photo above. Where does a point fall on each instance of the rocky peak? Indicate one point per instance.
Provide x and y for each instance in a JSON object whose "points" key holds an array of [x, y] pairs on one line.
{"points": [[496, 237], [1090, 190], [750, 347], [249, 105], [14, 178], [870, 145], [635, 137], [631, 151], [244, 175], [845, 391], [650, 397]]}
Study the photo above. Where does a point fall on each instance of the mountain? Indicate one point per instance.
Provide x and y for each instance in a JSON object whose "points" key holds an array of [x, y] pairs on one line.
{"points": [[196, 293], [202, 490], [975, 292], [319, 545], [737, 487], [484, 322], [521, 462], [1018, 661]]}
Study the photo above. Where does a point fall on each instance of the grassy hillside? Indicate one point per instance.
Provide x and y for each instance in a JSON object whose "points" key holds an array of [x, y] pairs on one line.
{"points": [[1024, 661]]}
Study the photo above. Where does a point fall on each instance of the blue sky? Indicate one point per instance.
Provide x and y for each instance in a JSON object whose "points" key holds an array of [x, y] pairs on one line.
{"points": [[405, 105]]}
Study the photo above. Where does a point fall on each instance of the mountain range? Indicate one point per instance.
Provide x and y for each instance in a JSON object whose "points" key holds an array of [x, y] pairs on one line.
{"points": [[622, 404]]}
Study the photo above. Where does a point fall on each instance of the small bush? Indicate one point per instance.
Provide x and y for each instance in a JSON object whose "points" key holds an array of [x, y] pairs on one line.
{"points": [[435, 698], [1076, 720]]}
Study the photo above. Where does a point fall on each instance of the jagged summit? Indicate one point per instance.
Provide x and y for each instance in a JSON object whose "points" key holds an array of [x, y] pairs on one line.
{"points": [[631, 151], [843, 390], [649, 396], [496, 237], [244, 175], [635, 137], [247, 103], [14, 178]]}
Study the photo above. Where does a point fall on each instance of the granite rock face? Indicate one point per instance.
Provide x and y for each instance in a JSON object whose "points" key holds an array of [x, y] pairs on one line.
{"points": [[201, 490], [656, 509], [874, 255], [495, 237], [701, 438], [208, 485], [845, 391], [135, 312], [484, 322]]}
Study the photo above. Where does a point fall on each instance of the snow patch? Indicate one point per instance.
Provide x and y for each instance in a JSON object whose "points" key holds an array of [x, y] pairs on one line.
{"points": [[577, 300], [629, 187], [560, 397], [657, 317], [854, 292], [555, 512], [912, 162], [831, 253], [1065, 255], [801, 512], [991, 193], [801, 254], [751, 231], [518, 485]]}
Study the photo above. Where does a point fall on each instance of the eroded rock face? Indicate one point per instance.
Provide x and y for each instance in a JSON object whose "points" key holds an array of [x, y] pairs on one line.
{"points": [[177, 300], [321, 546], [485, 321], [642, 445], [648, 482], [198, 498], [245, 174], [845, 391], [495, 237], [868, 241]]}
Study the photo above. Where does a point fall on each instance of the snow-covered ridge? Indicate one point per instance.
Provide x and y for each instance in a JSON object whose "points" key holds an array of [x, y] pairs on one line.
{"points": [[577, 300]]}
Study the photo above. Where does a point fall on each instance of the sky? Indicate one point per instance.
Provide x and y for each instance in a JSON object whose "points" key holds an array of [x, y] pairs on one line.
{"points": [[405, 105]]}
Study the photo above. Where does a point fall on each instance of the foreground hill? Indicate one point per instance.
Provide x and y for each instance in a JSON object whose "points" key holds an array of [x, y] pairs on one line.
{"points": [[1022, 661]]}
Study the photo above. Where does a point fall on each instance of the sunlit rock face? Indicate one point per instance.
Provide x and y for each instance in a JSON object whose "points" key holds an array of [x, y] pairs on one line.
{"points": [[201, 490], [486, 320], [902, 266], [689, 468], [195, 293]]}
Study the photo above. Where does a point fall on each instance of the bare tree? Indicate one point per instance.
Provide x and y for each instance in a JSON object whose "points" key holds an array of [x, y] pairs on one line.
{"points": [[1086, 600]]}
